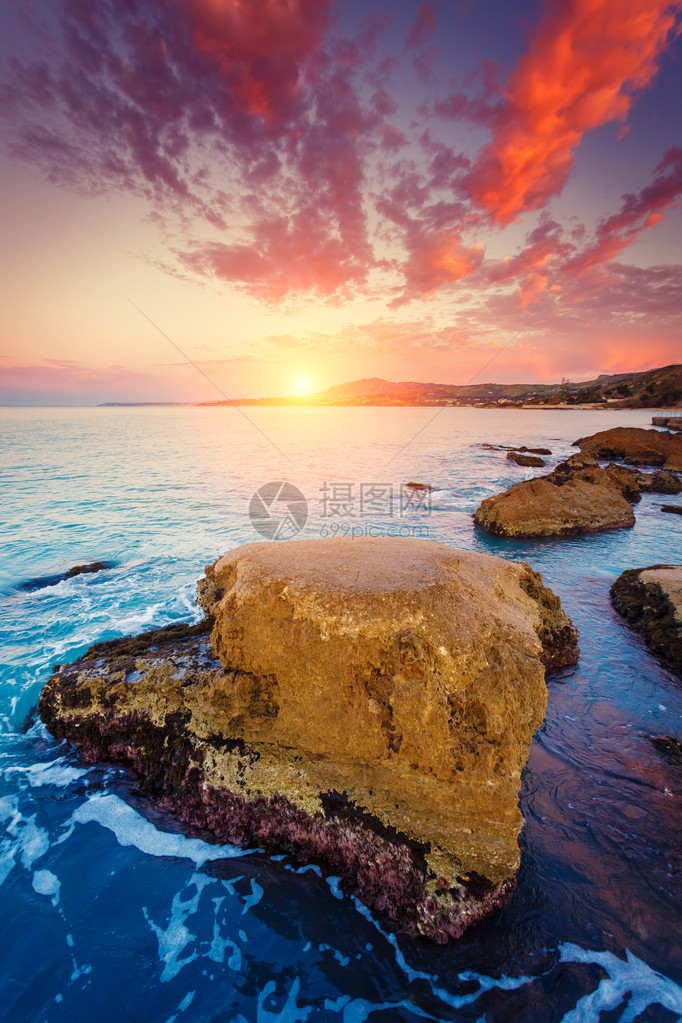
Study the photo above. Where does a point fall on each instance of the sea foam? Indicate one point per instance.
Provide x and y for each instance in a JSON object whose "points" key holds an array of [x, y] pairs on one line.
{"points": [[132, 829]]}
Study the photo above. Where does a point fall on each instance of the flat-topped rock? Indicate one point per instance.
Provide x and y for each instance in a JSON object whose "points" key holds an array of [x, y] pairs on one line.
{"points": [[367, 704], [541, 507], [529, 460], [636, 446], [650, 600]]}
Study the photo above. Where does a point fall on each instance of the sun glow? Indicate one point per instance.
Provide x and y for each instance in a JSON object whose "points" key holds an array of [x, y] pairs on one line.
{"points": [[303, 385]]}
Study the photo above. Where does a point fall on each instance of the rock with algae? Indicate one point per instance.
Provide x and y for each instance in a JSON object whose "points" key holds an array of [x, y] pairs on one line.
{"points": [[650, 601], [366, 704]]}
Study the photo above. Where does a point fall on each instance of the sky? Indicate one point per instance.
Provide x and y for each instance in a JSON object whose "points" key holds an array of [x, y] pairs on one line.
{"points": [[267, 197]]}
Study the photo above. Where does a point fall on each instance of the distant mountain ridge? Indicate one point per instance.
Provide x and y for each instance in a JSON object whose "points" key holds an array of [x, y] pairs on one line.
{"points": [[374, 385], [654, 388]]}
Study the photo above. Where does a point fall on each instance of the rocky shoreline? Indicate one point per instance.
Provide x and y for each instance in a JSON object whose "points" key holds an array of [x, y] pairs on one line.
{"points": [[579, 496]]}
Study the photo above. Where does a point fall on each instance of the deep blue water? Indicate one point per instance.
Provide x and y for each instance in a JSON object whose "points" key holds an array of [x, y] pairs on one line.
{"points": [[108, 914]]}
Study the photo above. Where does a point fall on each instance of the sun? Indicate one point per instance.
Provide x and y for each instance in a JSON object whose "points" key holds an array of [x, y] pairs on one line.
{"points": [[302, 385]]}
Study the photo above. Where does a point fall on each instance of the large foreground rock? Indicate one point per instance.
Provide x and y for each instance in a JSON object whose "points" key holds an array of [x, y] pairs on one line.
{"points": [[635, 446], [541, 507], [366, 704], [650, 600]]}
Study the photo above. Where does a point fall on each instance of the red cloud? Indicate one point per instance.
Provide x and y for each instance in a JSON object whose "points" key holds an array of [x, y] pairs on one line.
{"points": [[261, 47], [585, 60]]}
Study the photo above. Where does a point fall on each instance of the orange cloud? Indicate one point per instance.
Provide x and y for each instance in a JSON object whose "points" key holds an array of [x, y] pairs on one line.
{"points": [[435, 259], [585, 61]]}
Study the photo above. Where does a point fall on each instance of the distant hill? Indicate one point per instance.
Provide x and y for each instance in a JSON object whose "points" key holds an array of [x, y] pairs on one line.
{"points": [[654, 388], [371, 385]]}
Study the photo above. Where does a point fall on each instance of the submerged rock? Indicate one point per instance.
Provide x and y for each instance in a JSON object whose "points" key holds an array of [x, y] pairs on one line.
{"points": [[636, 446], [669, 747], [650, 600], [52, 580], [541, 507], [364, 704], [523, 449], [515, 456]]}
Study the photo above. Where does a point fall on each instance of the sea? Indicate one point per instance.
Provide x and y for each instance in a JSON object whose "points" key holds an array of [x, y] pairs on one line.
{"points": [[109, 914]]}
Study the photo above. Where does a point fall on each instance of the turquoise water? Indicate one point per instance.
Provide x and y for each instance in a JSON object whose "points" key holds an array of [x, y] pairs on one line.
{"points": [[109, 914]]}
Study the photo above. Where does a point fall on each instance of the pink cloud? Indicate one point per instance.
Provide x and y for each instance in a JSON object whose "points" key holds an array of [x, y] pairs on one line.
{"points": [[637, 213], [424, 27], [284, 257]]}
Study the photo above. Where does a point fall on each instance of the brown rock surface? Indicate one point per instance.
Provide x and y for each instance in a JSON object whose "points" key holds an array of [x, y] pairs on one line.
{"points": [[650, 600], [636, 446], [630, 482], [578, 460], [520, 459], [660, 482], [540, 507], [618, 477], [367, 704]]}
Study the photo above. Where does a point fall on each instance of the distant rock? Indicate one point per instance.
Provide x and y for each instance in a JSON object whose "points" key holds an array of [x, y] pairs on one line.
{"points": [[540, 507], [364, 704], [530, 460], [650, 600], [635, 446], [418, 486], [52, 580], [523, 449], [672, 509], [534, 451]]}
